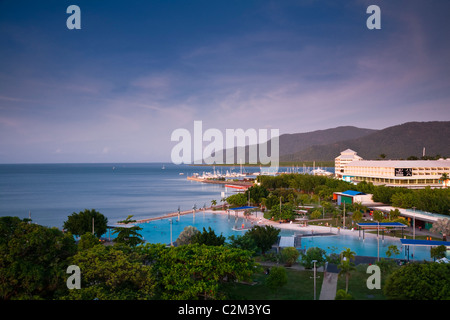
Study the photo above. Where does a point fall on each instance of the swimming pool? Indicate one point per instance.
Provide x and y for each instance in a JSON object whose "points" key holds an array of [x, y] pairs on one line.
{"points": [[159, 231]]}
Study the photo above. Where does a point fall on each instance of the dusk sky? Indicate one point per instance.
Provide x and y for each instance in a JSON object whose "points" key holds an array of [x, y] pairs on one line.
{"points": [[115, 90]]}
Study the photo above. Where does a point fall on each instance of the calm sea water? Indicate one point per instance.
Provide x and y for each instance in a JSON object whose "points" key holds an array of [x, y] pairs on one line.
{"points": [[52, 192]]}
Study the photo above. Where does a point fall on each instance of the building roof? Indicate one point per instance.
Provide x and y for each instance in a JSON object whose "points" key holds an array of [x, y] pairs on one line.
{"points": [[401, 163], [382, 224], [412, 242], [353, 193], [348, 151], [242, 208]]}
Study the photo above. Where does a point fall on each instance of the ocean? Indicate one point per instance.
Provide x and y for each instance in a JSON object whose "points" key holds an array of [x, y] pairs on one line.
{"points": [[52, 192]]}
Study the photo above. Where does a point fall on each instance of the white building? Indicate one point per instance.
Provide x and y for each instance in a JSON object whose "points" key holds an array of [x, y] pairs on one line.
{"points": [[399, 173], [345, 158]]}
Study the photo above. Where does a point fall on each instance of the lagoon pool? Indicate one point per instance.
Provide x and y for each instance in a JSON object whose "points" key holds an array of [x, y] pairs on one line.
{"points": [[158, 231]]}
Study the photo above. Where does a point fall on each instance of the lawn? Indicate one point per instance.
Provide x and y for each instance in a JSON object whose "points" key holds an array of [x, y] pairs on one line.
{"points": [[357, 285], [300, 286]]}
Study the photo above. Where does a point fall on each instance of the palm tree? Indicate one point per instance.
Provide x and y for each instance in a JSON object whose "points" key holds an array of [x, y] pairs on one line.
{"points": [[213, 202], [445, 179], [348, 254], [346, 268]]}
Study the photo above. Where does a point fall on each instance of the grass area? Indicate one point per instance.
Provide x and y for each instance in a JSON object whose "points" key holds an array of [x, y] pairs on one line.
{"points": [[300, 286], [357, 285]]}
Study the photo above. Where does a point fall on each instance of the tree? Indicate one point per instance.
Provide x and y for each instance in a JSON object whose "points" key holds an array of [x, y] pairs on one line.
{"points": [[392, 249], [186, 235], [197, 271], [264, 237], [208, 238], [343, 295], [213, 202], [313, 253], [87, 241], [244, 242], [33, 260], [128, 235], [438, 252], [238, 199], [445, 178], [441, 226], [111, 273], [257, 193], [81, 223], [286, 213], [316, 214], [378, 216], [419, 281], [346, 267], [289, 256], [348, 254], [276, 279]]}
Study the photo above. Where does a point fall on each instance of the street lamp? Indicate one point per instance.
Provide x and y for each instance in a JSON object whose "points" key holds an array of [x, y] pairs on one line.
{"points": [[378, 241], [414, 231], [314, 261], [171, 243]]}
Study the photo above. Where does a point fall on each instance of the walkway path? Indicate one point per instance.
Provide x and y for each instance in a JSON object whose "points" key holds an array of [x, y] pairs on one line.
{"points": [[329, 284]]}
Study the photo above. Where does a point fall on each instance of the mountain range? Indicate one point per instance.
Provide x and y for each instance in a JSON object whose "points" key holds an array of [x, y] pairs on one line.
{"points": [[396, 142]]}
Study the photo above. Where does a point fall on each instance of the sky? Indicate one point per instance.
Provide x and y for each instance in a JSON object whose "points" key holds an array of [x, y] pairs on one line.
{"points": [[116, 89]]}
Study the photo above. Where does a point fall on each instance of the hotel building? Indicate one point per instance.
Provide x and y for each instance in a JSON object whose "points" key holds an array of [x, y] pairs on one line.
{"points": [[345, 158], [399, 173]]}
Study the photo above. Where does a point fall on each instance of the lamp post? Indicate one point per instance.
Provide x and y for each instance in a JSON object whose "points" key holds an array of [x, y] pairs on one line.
{"points": [[178, 214], [171, 243], [414, 231], [378, 241], [314, 261]]}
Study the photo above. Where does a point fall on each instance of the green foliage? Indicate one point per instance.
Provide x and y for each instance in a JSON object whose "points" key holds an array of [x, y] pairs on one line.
{"points": [[316, 214], [128, 235], [81, 223], [264, 237], [392, 249], [438, 252], [238, 199], [33, 259], [287, 212], [186, 235], [313, 253], [112, 273], [197, 271], [348, 254], [346, 267], [433, 200], [276, 279], [343, 295], [289, 256], [87, 241], [419, 281], [244, 242], [257, 193], [208, 238]]}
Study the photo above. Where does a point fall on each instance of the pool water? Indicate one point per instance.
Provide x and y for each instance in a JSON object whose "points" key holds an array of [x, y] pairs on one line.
{"points": [[159, 231]]}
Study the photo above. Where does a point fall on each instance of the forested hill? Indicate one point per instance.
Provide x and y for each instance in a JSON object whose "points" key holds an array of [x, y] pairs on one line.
{"points": [[396, 142]]}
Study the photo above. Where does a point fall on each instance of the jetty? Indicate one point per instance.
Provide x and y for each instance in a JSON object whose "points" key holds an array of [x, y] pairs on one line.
{"points": [[243, 183]]}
